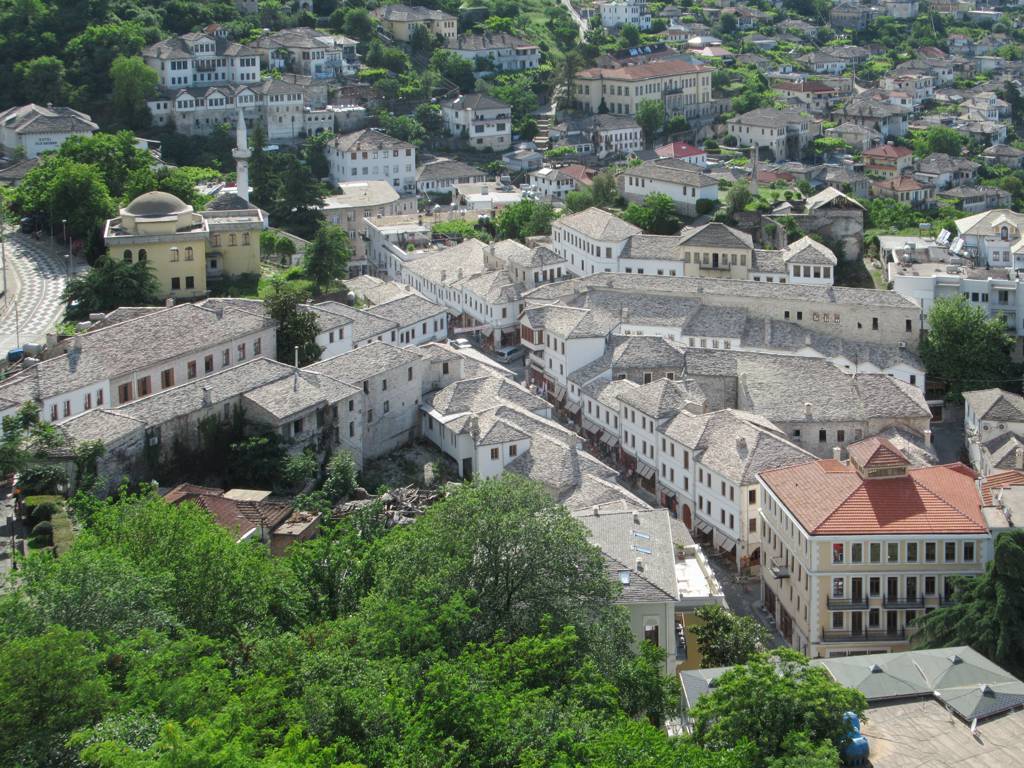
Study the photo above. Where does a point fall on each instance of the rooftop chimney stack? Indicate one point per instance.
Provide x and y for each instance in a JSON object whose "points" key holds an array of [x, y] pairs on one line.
{"points": [[1018, 458], [636, 517], [207, 395], [807, 410], [295, 376], [639, 565], [837, 453]]}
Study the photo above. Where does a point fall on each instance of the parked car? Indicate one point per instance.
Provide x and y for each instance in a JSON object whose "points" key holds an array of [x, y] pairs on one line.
{"points": [[460, 342], [510, 354]]}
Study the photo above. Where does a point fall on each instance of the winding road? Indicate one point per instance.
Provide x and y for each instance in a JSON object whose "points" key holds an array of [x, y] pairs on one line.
{"points": [[35, 282]]}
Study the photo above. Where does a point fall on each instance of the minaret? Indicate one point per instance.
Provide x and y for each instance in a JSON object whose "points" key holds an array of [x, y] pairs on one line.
{"points": [[241, 154]]}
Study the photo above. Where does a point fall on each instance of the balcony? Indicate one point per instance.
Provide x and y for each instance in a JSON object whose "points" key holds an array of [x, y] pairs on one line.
{"points": [[863, 636], [848, 603], [903, 602], [778, 568]]}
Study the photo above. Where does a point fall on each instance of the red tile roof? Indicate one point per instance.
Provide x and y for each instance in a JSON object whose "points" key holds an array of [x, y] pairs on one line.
{"points": [[239, 517], [887, 151], [804, 86], [644, 71], [877, 452], [679, 149], [999, 480], [827, 500]]}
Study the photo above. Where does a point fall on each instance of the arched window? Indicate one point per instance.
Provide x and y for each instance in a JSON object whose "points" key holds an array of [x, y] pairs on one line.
{"points": [[189, 255], [127, 256], [142, 254], [1004, 233]]}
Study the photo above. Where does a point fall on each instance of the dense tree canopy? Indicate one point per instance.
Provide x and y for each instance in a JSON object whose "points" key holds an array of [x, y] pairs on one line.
{"points": [[725, 638], [524, 219], [965, 348], [988, 610]]}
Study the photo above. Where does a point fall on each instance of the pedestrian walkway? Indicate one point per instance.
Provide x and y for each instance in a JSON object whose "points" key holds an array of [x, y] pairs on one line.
{"points": [[36, 277]]}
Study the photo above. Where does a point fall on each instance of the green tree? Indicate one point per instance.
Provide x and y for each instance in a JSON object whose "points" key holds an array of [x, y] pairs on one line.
{"points": [[738, 197], [775, 700], [133, 83], [358, 24], [937, 139], [988, 610], [524, 219], [650, 116], [605, 190], [43, 80], [630, 35], [91, 53], [421, 42], [341, 477], [455, 68], [111, 283], [656, 214], [579, 200], [296, 326], [114, 155], [965, 348], [327, 256], [256, 461], [725, 639], [49, 685]]}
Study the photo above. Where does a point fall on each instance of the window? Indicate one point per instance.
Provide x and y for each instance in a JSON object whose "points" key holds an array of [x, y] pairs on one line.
{"points": [[838, 587], [873, 618], [387, 406], [837, 620], [968, 551], [752, 496], [929, 585], [822, 437], [144, 386], [929, 551], [99, 397], [190, 282], [166, 378], [513, 450], [856, 552], [409, 373], [892, 552], [257, 346], [297, 427], [840, 436], [838, 553], [651, 633], [191, 369], [875, 552], [53, 412], [874, 323], [875, 586], [208, 364], [67, 408], [225, 357], [189, 253], [950, 551], [175, 283], [88, 401], [127, 256], [494, 453], [241, 351], [911, 551]]}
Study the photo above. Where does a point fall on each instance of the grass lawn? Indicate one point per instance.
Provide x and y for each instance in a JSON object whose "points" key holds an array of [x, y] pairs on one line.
{"points": [[63, 532], [860, 274]]}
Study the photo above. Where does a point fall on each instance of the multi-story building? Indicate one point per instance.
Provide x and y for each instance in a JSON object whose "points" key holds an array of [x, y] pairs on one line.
{"points": [[905, 189], [372, 154], [198, 59], [684, 88], [848, 15], [555, 183], [482, 122], [615, 13], [441, 177], [857, 550], [888, 161], [135, 353], [680, 180], [783, 132], [888, 119], [500, 51], [355, 201], [943, 171], [399, 21], [28, 131], [813, 95], [306, 51], [599, 134], [183, 248], [974, 199], [994, 430]]}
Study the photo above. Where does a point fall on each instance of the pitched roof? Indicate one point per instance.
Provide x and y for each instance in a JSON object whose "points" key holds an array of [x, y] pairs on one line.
{"points": [[888, 151], [33, 118], [996, 405], [368, 139], [876, 453], [831, 498], [715, 234], [807, 250], [673, 171], [644, 71], [598, 224], [475, 101], [489, 41]]}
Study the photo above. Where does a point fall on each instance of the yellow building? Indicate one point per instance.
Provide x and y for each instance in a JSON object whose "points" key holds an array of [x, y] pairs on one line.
{"points": [[169, 235], [856, 551], [399, 21], [185, 248]]}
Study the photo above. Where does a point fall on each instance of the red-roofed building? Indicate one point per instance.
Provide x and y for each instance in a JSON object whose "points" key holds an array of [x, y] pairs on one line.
{"points": [[888, 161], [856, 550], [680, 150], [906, 189], [814, 94]]}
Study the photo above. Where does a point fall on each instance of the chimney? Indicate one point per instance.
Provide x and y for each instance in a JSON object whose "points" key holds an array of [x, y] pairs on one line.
{"points": [[169, 301], [76, 343], [837, 453], [1018, 458], [207, 396], [624, 314], [741, 444], [444, 275], [636, 517], [596, 510], [927, 437], [639, 565], [460, 273], [219, 311], [295, 377], [807, 410]]}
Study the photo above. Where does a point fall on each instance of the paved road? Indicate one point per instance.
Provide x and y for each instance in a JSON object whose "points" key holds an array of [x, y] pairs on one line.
{"points": [[35, 283], [743, 597]]}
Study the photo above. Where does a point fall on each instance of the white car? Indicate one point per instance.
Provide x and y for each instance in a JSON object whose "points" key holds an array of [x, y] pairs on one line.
{"points": [[460, 342]]}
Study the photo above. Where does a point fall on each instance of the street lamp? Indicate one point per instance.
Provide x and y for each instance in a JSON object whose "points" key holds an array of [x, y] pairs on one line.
{"points": [[67, 264], [64, 226]]}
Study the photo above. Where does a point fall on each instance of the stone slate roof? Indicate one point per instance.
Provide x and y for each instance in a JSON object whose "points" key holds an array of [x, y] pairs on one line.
{"points": [[664, 397], [408, 310], [33, 118], [715, 234], [364, 325], [178, 47], [599, 225], [366, 362], [478, 394], [626, 534], [807, 250], [290, 397], [475, 101], [489, 41], [368, 140], [442, 170], [996, 405], [143, 342], [672, 171], [400, 12]]}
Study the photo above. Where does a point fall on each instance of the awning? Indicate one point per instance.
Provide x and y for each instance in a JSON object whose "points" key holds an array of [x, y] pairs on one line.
{"points": [[559, 392], [644, 471], [610, 439], [724, 542], [572, 408], [702, 527]]}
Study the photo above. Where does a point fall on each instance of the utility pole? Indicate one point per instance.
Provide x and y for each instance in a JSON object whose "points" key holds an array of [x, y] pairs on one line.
{"points": [[3, 242]]}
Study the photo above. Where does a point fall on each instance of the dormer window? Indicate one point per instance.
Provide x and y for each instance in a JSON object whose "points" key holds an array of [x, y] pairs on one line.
{"points": [[1004, 233]]}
